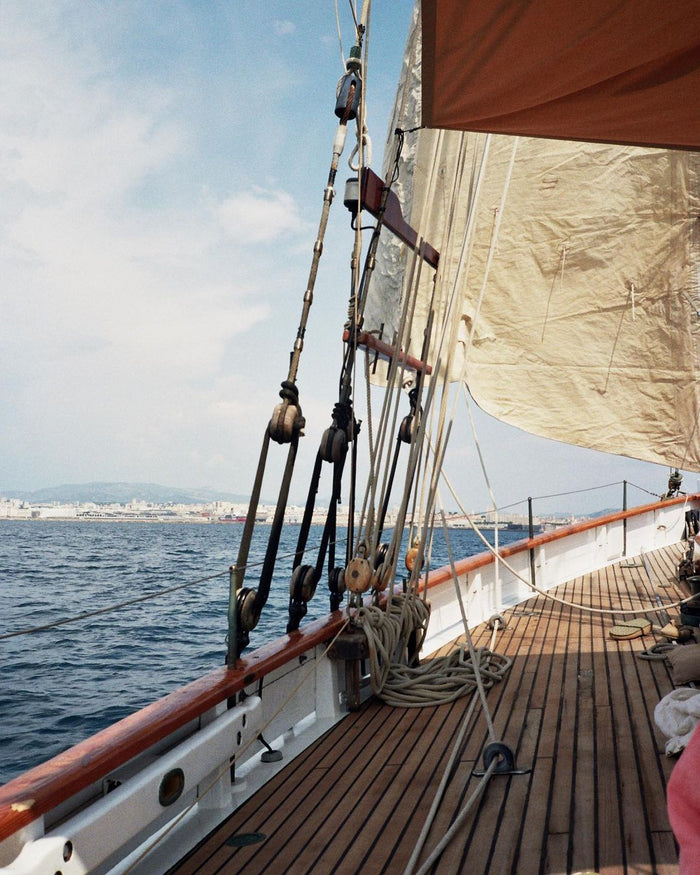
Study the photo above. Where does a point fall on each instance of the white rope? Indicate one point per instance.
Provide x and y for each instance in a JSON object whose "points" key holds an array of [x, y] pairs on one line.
{"points": [[470, 643], [644, 606], [447, 333], [340, 36], [437, 681], [440, 792], [451, 832], [477, 444]]}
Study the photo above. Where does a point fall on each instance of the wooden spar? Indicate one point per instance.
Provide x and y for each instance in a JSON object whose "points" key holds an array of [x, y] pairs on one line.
{"points": [[386, 350], [41, 789], [371, 198]]}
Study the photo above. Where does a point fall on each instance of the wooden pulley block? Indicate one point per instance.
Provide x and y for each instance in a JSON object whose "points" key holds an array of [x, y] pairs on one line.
{"points": [[358, 575], [247, 613], [338, 581], [286, 419], [380, 555], [381, 578], [306, 578], [407, 429], [334, 444], [412, 555]]}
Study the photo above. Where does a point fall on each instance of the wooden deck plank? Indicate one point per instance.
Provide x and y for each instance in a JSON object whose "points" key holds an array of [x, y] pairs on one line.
{"points": [[584, 807], [533, 825], [393, 809], [359, 782], [576, 705]]}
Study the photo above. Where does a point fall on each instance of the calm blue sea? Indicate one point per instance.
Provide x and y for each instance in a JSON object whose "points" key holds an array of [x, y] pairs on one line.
{"points": [[61, 685]]}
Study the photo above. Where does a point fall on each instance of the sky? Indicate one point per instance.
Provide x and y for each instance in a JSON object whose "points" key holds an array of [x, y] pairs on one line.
{"points": [[162, 167]]}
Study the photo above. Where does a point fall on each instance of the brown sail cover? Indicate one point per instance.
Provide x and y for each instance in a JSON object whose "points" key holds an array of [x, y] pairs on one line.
{"points": [[622, 71]]}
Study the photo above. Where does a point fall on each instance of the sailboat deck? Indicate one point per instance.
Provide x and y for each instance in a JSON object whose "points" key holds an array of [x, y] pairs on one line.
{"points": [[577, 709]]}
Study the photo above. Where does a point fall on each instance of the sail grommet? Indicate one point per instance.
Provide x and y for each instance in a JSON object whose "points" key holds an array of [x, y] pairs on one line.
{"points": [[358, 575]]}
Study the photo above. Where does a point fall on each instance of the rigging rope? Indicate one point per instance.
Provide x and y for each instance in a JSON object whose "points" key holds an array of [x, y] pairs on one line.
{"points": [[287, 422], [467, 632], [544, 593], [440, 792]]}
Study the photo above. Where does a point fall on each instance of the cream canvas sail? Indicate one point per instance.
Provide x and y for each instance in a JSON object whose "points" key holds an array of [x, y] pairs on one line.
{"points": [[574, 273]]}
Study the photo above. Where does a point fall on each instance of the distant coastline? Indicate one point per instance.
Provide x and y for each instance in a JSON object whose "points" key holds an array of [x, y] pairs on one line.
{"points": [[221, 513], [151, 503], [218, 512]]}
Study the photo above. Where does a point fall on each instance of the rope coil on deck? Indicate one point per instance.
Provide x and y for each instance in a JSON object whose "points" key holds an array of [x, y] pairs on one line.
{"points": [[438, 681], [443, 679]]}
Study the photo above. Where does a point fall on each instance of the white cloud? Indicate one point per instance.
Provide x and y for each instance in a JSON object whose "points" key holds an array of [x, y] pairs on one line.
{"points": [[260, 216], [283, 27], [124, 288]]}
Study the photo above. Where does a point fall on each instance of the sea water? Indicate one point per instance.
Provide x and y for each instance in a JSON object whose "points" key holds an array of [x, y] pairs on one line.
{"points": [[60, 685]]}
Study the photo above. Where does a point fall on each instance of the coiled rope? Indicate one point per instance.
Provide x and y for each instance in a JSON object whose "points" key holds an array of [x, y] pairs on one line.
{"points": [[436, 682]]}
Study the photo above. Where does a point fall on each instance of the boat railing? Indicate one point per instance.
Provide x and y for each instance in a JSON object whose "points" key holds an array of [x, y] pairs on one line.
{"points": [[283, 671]]}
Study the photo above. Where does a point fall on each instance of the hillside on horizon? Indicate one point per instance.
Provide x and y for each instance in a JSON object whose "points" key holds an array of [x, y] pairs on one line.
{"points": [[121, 493]]}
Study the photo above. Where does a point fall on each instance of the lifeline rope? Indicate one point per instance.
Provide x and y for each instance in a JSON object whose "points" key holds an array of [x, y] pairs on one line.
{"points": [[544, 593], [125, 604], [109, 608]]}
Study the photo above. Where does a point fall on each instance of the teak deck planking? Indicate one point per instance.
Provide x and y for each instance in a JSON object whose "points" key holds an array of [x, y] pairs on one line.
{"points": [[576, 708]]}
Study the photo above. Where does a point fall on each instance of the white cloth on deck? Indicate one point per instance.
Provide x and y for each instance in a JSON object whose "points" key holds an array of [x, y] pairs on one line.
{"points": [[677, 715]]}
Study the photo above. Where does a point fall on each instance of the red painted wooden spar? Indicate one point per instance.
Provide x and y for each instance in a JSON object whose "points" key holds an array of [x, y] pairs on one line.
{"points": [[371, 196], [386, 350], [29, 796]]}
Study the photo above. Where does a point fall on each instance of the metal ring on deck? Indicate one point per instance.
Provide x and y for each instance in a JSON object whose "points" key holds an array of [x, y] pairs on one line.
{"points": [[501, 750]]}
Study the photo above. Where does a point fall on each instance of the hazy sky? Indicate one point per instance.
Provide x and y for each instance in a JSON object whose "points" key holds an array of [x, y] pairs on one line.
{"points": [[161, 175]]}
